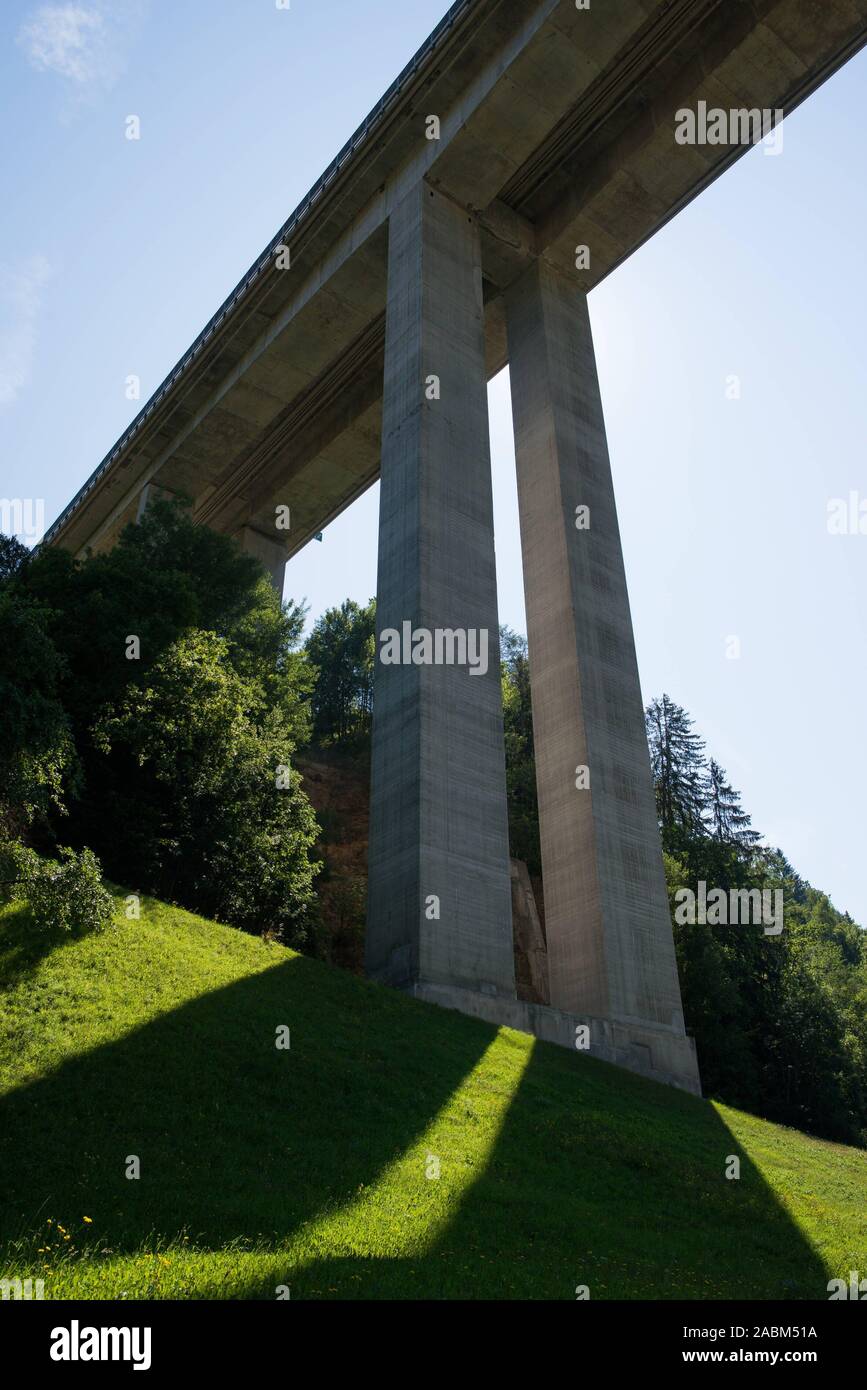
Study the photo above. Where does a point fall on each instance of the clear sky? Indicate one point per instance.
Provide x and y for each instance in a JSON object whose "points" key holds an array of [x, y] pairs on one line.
{"points": [[114, 253]]}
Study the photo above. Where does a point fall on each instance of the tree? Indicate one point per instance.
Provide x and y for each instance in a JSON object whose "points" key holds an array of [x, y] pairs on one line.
{"points": [[178, 674], [714, 1007], [780, 1021], [13, 557], [677, 764], [520, 751], [36, 747], [206, 808], [729, 824], [166, 576], [340, 650]]}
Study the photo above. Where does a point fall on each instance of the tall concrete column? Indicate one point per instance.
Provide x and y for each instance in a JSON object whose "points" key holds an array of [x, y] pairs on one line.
{"points": [[439, 903], [610, 948]]}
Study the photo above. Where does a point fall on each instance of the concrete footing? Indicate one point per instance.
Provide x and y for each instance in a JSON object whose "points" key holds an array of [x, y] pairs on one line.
{"points": [[653, 1052]]}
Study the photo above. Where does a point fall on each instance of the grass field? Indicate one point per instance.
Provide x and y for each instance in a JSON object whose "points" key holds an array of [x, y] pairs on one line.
{"points": [[313, 1169]]}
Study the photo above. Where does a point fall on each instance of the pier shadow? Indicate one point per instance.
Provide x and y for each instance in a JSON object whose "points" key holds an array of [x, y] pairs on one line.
{"points": [[236, 1139], [594, 1177], [22, 947], [630, 1201]]}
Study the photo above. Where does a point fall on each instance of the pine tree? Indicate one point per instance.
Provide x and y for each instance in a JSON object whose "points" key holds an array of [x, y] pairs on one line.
{"points": [[729, 823], [678, 766]]}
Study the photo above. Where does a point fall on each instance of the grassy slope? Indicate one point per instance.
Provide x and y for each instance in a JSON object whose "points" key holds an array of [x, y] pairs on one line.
{"points": [[307, 1167]]}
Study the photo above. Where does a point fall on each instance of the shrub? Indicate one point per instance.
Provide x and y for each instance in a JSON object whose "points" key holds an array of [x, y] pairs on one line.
{"points": [[16, 869], [68, 896], [206, 809]]}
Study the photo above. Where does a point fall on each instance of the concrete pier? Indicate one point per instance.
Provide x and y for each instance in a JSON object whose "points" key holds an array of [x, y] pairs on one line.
{"points": [[439, 904], [656, 1053], [608, 924], [270, 551]]}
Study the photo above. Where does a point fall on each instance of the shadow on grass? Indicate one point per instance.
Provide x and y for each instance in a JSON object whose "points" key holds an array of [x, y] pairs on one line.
{"points": [[22, 947], [630, 1199], [235, 1137], [595, 1177]]}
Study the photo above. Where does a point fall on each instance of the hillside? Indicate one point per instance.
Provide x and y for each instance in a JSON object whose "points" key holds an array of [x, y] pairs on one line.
{"points": [[308, 1167]]}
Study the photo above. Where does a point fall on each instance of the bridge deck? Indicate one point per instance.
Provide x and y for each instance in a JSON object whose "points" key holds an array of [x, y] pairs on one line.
{"points": [[557, 130]]}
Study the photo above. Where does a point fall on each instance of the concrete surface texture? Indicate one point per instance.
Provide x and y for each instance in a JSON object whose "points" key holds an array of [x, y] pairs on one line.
{"points": [[439, 890], [656, 1053], [607, 917], [531, 954]]}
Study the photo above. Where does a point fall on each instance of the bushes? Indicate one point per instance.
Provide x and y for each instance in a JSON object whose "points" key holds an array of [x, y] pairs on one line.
{"points": [[170, 755], [205, 807], [18, 866], [66, 897]]}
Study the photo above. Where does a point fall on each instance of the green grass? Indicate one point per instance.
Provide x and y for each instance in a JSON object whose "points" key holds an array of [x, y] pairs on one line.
{"points": [[308, 1168]]}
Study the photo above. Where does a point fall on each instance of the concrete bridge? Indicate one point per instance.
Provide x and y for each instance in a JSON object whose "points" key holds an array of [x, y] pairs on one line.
{"points": [[527, 149]]}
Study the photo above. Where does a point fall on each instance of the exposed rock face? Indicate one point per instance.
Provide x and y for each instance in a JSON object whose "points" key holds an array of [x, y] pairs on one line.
{"points": [[339, 791], [531, 956]]}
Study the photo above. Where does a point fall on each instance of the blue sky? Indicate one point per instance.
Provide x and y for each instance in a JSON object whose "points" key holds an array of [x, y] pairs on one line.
{"points": [[114, 253]]}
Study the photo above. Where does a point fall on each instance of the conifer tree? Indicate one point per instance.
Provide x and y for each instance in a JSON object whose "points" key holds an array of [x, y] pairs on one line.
{"points": [[729, 823], [678, 766]]}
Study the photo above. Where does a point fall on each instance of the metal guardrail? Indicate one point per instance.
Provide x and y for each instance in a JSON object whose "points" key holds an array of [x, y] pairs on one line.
{"points": [[358, 138]]}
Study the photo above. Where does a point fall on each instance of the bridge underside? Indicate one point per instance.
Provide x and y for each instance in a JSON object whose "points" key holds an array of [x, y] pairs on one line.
{"points": [[448, 257], [557, 131]]}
